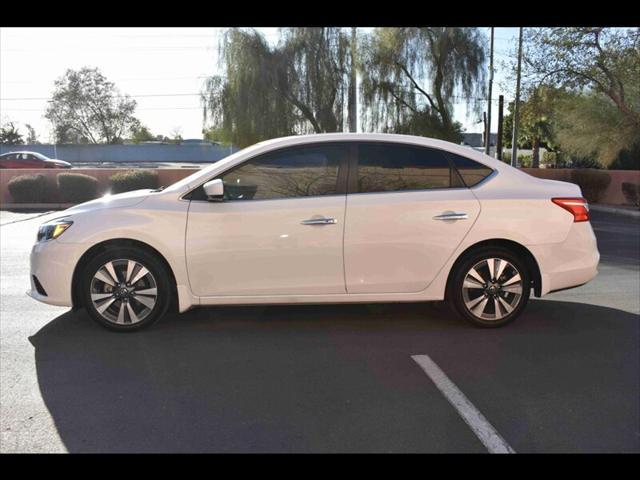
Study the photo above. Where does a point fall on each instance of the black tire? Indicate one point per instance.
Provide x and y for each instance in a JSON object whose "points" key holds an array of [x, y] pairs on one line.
{"points": [[456, 295], [158, 275]]}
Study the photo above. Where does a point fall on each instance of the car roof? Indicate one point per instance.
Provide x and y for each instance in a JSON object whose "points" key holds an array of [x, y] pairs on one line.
{"points": [[18, 151]]}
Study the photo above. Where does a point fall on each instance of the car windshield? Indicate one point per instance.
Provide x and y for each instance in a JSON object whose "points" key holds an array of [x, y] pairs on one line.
{"points": [[39, 156]]}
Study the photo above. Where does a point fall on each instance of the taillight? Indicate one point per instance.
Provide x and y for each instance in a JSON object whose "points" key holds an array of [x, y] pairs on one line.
{"points": [[578, 207]]}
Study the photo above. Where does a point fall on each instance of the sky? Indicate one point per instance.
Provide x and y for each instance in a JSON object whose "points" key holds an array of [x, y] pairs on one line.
{"points": [[163, 69]]}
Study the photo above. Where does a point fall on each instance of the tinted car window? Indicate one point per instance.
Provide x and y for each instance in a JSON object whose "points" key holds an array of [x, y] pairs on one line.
{"points": [[288, 173], [390, 168], [471, 172]]}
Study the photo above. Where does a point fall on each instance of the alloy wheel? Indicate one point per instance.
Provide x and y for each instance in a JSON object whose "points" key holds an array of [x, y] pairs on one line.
{"points": [[123, 291], [492, 289]]}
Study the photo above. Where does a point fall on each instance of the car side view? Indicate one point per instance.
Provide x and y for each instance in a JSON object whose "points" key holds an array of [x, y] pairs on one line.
{"points": [[30, 160], [330, 218]]}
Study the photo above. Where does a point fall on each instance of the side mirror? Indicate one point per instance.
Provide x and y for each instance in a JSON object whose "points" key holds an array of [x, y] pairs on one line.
{"points": [[214, 189]]}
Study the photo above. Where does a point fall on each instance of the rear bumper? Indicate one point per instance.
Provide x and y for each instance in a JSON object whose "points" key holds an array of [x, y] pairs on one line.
{"points": [[52, 264], [571, 263]]}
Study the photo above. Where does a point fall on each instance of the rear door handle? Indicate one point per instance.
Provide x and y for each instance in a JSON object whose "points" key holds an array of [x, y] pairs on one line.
{"points": [[319, 221], [451, 216]]}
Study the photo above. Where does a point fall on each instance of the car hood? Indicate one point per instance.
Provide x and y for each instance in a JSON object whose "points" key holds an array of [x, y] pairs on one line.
{"points": [[60, 162], [120, 200]]}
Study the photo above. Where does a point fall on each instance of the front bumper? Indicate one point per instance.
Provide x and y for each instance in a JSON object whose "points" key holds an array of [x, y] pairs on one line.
{"points": [[571, 263], [52, 264]]}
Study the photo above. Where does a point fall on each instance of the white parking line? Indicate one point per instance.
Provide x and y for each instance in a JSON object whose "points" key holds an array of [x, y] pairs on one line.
{"points": [[470, 414]]}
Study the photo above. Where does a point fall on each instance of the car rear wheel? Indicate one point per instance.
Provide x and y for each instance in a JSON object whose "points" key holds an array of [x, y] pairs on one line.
{"points": [[125, 289], [490, 287]]}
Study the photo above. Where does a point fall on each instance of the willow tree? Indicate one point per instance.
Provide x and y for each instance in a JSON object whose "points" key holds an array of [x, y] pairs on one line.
{"points": [[297, 86], [411, 76]]}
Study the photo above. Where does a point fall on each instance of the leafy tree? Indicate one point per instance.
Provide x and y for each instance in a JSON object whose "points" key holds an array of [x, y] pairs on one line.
{"points": [[297, 86], [32, 136], [591, 126], [87, 108], [537, 120], [140, 133], [216, 134], [176, 135], [599, 69], [602, 60], [410, 76], [10, 135]]}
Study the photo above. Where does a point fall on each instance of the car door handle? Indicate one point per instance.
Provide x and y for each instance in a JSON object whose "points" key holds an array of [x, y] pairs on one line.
{"points": [[451, 216], [319, 221]]}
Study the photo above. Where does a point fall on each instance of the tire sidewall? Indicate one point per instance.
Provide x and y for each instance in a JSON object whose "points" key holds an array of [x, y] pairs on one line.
{"points": [[471, 259], [150, 262]]}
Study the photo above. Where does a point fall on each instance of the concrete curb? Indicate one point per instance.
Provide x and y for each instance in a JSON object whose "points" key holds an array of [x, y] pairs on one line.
{"points": [[629, 212]]}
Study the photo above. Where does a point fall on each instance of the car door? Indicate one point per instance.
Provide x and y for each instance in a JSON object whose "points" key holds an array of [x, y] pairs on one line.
{"points": [[35, 162], [11, 161], [407, 211], [5, 161], [278, 230]]}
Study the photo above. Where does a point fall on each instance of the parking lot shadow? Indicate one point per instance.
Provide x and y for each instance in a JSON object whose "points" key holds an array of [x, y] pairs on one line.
{"points": [[339, 378]]}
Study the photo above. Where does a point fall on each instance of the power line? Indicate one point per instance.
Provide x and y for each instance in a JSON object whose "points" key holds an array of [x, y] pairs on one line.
{"points": [[115, 79], [114, 96], [143, 108]]}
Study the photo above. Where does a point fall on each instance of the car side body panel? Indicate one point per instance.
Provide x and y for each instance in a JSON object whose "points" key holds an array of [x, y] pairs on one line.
{"points": [[509, 205], [393, 242]]}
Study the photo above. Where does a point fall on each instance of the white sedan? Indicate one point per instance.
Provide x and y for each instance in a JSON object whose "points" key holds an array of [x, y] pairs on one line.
{"points": [[326, 218]]}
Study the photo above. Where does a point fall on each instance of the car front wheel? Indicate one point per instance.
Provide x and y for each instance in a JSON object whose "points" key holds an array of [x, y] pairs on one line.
{"points": [[490, 287], [125, 289]]}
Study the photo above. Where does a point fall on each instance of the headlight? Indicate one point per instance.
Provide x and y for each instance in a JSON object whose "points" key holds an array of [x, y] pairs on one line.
{"points": [[53, 229]]}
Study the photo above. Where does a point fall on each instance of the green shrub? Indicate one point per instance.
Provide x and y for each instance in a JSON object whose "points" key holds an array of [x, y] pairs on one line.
{"points": [[631, 192], [525, 160], [593, 183], [627, 159], [133, 180], [29, 189], [592, 163], [549, 158], [76, 187]]}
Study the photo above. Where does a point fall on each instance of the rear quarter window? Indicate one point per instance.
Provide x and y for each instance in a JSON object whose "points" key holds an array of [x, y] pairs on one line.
{"points": [[472, 172]]}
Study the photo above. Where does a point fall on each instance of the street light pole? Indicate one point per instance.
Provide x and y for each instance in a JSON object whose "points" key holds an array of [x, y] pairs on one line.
{"points": [[487, 142], [516, 118]]}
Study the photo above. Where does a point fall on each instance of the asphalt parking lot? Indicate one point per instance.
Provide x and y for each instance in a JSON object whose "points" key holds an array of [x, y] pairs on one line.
{"points": [[334, 378]]}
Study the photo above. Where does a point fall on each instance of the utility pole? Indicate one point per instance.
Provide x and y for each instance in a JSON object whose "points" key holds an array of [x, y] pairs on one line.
{"points": [[487, 145], [516, 118], [485, 135], [352, 100], [500, 120]]}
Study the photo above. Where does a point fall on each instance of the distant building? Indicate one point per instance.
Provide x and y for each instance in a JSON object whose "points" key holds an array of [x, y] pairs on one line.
{"points": [[475, 139], [198, 141]]}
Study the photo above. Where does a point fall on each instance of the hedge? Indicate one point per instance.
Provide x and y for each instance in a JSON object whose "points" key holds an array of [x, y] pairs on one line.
{"points": [[593, 183], [524, 159], [76, 187], [133, 180], [631, 192], [29, 189]]}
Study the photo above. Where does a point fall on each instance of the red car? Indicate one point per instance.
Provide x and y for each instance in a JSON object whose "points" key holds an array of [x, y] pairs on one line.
{"points": [[30, 160]]}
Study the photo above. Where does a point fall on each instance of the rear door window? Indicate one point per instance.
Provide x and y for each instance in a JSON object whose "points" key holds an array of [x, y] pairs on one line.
{"points": [[389, 167]]}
